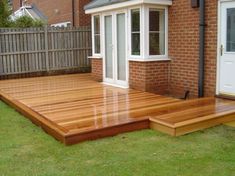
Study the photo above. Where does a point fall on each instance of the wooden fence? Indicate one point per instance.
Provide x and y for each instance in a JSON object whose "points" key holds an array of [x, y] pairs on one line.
{"points": [[44, 49]]}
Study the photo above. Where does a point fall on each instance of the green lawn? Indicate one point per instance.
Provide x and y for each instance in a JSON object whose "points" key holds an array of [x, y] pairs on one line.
{"points": [[26, 150]]}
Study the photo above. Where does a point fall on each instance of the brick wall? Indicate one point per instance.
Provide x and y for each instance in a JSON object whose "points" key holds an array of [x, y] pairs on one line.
{"points": [[16, 4], [181, 74], [58, 11], [149, 76], [211, 47], [97, 69], [144, 76], [184, 47], [84, 19]]}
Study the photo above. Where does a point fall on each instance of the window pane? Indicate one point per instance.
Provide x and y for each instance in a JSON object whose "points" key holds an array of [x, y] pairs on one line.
{"points": [[135, 44], [135, 20], [121, 46], [154, 18], [156, 43], [156, 32], [97, 34], [97, 24], [108, 47], [97, 43], [135, 30], [231, 30]]}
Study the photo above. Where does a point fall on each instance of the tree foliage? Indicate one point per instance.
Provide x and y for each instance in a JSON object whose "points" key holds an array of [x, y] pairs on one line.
{"points": [[26, 22], [5, 13], [21, 22]]}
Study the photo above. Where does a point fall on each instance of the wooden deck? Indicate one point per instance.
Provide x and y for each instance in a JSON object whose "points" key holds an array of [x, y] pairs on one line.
{"points": [[74, 108]]}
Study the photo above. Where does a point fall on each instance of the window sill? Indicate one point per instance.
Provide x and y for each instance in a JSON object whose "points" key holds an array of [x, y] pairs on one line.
{"points": [[149, 59], [94, 57]]}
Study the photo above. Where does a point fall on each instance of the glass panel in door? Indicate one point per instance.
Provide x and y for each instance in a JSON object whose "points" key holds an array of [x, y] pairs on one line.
{"points": [[108, 47], [121, 47], [231, 30]]}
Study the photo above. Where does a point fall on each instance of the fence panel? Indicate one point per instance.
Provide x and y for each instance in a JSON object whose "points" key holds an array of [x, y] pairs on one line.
{"points": [[44, 49]]}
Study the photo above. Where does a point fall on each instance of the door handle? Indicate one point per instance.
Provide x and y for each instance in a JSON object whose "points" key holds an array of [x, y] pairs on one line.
{"points": [[221, 50]]}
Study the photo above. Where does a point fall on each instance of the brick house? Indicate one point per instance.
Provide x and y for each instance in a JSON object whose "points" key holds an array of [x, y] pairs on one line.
{"points": [[165, 46], [59, 12]]}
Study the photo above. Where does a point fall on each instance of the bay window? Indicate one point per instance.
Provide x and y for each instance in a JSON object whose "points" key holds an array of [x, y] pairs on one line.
{"points": [[148, 33]]}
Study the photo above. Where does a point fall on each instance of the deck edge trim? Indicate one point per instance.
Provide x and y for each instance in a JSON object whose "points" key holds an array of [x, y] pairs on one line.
{"points": [[34, 117]]}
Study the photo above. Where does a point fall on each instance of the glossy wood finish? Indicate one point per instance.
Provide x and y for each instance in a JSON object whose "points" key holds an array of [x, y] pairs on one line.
{"points": [[192, 115], [74, 108]]}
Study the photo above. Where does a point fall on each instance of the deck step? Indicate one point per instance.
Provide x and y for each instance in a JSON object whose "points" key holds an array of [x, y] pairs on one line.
{"points": [[193, 115]]}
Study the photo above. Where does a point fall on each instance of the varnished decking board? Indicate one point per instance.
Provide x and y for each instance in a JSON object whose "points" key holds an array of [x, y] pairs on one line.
{"points": [[74, 108], [193, 115]]}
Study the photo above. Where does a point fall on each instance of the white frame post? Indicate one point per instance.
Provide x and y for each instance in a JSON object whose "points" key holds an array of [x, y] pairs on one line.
{"points": [[98, 55]]}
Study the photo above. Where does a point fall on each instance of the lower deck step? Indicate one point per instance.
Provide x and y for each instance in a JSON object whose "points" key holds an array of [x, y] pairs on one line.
{"points": [[193, 115]]}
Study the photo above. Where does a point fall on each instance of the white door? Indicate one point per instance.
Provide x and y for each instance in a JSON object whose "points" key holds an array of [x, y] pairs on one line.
{"points": [[227, 49], [115, 59]]}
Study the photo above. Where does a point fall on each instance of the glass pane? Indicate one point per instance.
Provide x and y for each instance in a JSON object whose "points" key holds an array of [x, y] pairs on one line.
{"points": [[97, 33], [121, 47], [154, 19], [156, 32], [97, 43], [135, 44], [108, 47], [157, 43], [96, 24], [135, 20], [231, 30]]}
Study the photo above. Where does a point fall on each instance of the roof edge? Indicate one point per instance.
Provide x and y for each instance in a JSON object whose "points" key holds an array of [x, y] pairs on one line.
{"points": [[127, 4]]}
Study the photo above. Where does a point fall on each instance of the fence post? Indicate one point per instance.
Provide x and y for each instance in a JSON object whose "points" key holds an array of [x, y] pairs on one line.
{"points": [[46, 48]]}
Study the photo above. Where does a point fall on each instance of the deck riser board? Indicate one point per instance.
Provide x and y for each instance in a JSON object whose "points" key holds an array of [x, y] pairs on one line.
{"points": [[107, 132], [36, 119]]}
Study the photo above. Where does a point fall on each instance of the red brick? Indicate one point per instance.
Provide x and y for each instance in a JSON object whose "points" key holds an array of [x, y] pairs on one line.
{"points": [[184, 48], [64, 8], [97, 69], [149, 76]]}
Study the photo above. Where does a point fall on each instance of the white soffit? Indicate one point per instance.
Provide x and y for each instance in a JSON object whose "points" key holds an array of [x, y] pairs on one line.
{"points": [[127, 4]]}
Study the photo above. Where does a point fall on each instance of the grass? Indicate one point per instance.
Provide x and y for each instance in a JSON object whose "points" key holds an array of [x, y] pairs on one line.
{"points": [[26, 150]]}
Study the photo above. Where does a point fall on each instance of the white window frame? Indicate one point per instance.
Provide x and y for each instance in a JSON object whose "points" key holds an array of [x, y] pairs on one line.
{"points": [[62, 24], [147, 55], [124, 84], [107, 80], [148, 32], [94, 54], [144, 33], [130, 33]]}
